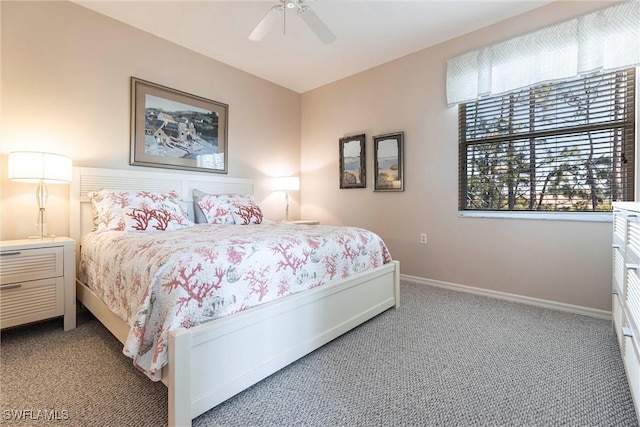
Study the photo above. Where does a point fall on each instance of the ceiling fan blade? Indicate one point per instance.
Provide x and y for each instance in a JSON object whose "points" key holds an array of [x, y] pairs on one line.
{"points": [[316, 25], [266, 23]]}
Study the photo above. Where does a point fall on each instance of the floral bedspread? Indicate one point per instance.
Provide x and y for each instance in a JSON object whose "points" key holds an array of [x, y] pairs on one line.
{"points": [[161, 281]]}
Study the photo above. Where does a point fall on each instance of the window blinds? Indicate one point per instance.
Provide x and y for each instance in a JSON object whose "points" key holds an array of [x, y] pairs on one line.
{"points": [[607, 39], [565, 146]]}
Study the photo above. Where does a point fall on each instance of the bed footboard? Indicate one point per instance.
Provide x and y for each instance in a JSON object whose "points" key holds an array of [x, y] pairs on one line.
{"points": [[212, 362]]}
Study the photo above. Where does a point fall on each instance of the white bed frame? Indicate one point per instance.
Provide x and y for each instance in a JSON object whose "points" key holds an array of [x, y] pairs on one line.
{"points": [[214, 361]]}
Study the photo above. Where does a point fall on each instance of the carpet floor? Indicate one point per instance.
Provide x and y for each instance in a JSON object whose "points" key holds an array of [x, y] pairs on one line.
{"points": [[444, 358]]}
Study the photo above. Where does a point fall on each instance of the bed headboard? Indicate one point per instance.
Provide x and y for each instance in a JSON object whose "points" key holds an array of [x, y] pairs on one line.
{"points": [[86, 180]]}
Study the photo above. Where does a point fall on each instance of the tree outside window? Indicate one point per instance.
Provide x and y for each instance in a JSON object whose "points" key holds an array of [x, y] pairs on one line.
{"points": [[563, 147]]}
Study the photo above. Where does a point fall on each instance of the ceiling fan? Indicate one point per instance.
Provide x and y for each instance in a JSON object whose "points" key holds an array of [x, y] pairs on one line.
{"points": [[312, 20]]}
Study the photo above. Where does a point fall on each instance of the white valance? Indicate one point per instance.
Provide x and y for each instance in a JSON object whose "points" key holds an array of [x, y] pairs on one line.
{"points": [[608, 39]]}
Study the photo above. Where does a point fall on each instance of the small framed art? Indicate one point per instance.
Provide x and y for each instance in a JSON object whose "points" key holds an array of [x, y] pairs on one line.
{"points": [[353, 172], [388, 162]]}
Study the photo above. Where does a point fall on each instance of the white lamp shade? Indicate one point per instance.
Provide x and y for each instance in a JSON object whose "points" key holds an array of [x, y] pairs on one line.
{"points": [[35, 167], [286, 183]]}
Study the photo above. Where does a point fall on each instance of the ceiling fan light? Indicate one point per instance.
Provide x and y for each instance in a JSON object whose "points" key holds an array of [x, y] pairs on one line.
{"points": [[291, 4]]}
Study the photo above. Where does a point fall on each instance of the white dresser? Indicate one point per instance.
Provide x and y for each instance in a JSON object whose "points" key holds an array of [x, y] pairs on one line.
{"points": [[626, 290]]}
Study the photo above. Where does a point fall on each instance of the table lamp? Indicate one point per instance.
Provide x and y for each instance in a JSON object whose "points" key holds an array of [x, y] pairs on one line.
{"points": [[286, 184], [42, 169]]}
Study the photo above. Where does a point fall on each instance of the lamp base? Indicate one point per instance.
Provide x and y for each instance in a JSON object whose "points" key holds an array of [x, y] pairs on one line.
{"points": [[287, 208], [41, 225]]}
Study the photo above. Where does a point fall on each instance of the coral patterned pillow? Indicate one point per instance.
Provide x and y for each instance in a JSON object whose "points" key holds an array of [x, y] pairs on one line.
{"points": [[159, 218], [216, 208], [138, 211], [246, 212]]}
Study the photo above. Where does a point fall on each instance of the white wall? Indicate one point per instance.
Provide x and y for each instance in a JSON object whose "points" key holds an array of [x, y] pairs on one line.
{"points": [[557, 260], [65, 88]]}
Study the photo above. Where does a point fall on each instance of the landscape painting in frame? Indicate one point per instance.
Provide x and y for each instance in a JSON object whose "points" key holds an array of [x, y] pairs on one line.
{"points": [[353, 162], [388, 154], [174, 129]]}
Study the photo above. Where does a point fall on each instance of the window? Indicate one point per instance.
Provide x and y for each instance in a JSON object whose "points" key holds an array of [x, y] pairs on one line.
{"points": [[554, 147]]}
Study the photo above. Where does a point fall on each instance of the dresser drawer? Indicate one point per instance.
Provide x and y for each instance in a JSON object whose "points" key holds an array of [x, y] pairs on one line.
{"points": [[633, 234], [630, 353], [619, 271], [31, 301], [617, 314], [30, 264]]}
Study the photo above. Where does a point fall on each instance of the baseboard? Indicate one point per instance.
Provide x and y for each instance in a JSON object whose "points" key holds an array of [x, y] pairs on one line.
{"points": [[554, 305]]}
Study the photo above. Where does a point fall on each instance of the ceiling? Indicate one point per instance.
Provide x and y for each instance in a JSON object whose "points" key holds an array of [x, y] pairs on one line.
{"points": [[369, 33]]}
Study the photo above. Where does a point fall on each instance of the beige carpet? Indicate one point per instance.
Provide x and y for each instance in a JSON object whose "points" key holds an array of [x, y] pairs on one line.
{"points": [[444, 359]]}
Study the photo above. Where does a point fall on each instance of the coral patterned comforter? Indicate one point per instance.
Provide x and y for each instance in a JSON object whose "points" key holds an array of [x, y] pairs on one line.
{"points": [[165, 280]]}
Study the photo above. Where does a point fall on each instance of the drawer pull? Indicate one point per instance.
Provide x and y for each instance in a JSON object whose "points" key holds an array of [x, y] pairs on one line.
{"points": [[615, 246], [6, 287], [631, 266], [627, 332], [615, 292], [8, 253]]}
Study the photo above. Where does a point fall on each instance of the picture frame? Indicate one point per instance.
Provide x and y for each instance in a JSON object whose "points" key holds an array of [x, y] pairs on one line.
{"points": [[353, 162], [388, 162], [177, 130]]}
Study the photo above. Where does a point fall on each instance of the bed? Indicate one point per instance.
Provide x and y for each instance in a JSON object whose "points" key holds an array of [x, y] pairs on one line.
{"points": [[212, 361]]}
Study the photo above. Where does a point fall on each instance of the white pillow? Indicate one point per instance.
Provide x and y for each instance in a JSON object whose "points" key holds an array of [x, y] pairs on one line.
{"points": [[246, 212], [128, 210], [219, 208], [216, 209]]}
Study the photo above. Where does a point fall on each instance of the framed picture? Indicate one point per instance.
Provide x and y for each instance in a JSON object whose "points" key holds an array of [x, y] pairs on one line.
{"points": [[173, 129], [388, 161], [353, 162]]}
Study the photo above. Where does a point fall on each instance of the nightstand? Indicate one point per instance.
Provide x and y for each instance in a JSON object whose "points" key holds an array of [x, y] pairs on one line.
{"points": [[302, 222], [37, 281]]}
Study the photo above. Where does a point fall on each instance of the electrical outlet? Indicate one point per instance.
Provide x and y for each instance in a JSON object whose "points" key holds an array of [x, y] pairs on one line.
{"points": [[423, 238]]}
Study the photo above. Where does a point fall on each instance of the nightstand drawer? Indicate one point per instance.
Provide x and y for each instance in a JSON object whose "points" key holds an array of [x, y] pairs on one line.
{"points": [[30, 264], [31, 301]]}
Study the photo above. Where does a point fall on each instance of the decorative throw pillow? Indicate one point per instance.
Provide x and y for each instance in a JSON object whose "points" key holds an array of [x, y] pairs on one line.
{"points": [[158, 218], [246, 212], [131, 210], [220, 199], [216, 208]]}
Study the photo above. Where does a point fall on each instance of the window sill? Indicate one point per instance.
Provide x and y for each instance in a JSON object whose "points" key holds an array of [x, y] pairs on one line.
{"points": [[554, 216]]}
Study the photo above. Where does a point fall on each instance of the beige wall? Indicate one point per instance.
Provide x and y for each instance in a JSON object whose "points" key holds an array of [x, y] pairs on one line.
{"points": [[557, 260], [65, 89]]}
